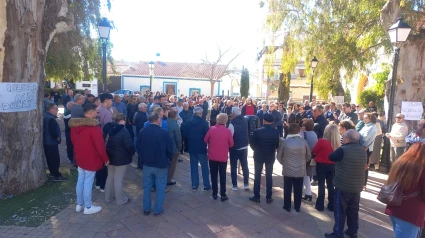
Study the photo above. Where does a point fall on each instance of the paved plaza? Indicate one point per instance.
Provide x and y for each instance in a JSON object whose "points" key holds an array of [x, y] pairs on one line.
{"points": [[196, 214]]}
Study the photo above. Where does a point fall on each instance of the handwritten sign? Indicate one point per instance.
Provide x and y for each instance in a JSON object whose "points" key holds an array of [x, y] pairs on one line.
{"points": [[412, 110], [339, 99], [18, 97]]}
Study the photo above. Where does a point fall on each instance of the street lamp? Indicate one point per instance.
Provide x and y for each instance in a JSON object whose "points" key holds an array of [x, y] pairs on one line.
{"points": [[151, 66], [313, 65], [104, 29], [398, 33]]}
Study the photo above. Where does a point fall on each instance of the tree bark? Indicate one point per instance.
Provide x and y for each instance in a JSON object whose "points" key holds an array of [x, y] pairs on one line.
{"points": [[26, 29], [410, 83]]}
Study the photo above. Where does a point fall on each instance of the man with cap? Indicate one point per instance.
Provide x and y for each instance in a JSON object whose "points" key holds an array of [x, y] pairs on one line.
{"points": [[265, 141], [89, 99]]}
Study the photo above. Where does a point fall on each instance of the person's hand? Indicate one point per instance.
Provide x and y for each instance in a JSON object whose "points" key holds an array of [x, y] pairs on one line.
{"points": [[388, 135], [367, 167], [107, 163], [58, 139]]}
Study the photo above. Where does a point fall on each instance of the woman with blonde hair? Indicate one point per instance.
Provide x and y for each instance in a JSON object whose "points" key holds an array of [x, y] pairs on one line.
{"points": [[408, 171], [324, 167]]}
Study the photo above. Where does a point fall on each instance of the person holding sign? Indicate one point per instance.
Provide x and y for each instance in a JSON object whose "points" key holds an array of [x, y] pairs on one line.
{"points": [[397, 136]]}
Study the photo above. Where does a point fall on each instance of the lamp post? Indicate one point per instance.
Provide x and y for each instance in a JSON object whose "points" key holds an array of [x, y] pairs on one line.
{"points": [[104, 29], [398, 33], [151, 66], [313, 65]]}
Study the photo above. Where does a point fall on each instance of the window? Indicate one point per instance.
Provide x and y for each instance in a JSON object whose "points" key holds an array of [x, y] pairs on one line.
{"points": [[86, 85]]}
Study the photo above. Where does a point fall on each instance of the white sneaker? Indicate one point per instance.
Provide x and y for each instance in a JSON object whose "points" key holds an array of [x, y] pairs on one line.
{"points": [[78, 208], [92, 210], [246, 187], [97, 187], [235, 189], [102, 190]]}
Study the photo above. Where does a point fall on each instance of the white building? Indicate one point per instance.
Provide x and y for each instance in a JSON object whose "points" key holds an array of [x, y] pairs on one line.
{"points": [[177, 78], [80, 86]]}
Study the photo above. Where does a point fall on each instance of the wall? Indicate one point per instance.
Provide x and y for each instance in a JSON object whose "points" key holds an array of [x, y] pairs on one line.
{"points": [[79, 86], [182, 85]]}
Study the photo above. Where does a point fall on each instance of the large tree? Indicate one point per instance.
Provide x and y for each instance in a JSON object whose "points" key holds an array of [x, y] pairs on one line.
{"points": [[27, 29], [410, 85]]}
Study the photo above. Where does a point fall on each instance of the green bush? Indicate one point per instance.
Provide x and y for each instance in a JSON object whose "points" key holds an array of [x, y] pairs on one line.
{"points": [[347, 95], [371, 95]]}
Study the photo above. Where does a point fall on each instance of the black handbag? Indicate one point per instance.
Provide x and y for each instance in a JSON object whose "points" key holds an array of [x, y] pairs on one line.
{"points": [[392, 195]]}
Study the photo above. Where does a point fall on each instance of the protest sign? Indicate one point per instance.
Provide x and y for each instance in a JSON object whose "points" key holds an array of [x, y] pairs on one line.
{"points": [[412, 110], [18, 97]]}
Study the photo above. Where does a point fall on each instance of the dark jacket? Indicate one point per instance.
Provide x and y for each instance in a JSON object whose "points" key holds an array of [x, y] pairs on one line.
{"points": [[175, 134], [227, 110], [300, 116], [195, 130], [204, 110], [185, 115], [264, 143], [140, 120], [240, 134], [120, 148], [350, 161], [51, 130], [244, 110], [130, 114], [214, 113], [320, 124], [354, 117], [277, 118], [260, 115], [155, 147]]}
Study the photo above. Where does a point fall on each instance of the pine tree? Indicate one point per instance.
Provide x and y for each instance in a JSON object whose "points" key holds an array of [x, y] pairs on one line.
{"points": [[244, 89]]}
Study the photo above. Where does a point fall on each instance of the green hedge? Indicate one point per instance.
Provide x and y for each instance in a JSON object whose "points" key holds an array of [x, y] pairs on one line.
{"points": [[371, 95]]}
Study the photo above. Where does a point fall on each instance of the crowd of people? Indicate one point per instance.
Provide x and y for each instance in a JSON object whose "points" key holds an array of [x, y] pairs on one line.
{"points": [[316, 143]]}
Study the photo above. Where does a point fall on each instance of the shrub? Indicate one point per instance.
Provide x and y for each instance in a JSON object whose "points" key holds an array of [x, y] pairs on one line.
{"points": [[371, 94]]}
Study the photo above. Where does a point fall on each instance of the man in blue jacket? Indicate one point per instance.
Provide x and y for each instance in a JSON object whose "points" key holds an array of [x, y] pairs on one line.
{"points": [[195, 130], [155, 151]]}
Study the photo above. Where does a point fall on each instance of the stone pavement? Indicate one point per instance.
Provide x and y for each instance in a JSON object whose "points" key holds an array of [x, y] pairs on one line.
{"points": [[196, 214]]}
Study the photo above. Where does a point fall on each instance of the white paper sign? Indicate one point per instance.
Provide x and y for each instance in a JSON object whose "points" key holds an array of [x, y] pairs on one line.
{"points": [[339, 99], [18, 97], [412, 110]]}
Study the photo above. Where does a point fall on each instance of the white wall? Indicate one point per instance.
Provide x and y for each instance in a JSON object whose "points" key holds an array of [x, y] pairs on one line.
{"points": [[79, 86], [183, 85]]}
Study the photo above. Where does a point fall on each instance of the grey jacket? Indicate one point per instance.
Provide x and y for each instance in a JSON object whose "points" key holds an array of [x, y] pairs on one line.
{"points": [[293, 154], [175, 134]]}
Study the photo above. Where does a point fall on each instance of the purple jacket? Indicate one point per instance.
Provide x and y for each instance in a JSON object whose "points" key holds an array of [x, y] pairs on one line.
{"points": [[105, 115]]}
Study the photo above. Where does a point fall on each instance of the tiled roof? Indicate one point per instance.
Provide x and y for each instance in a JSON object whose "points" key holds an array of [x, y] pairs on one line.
{"points": [[120, 66], [178, 70]]}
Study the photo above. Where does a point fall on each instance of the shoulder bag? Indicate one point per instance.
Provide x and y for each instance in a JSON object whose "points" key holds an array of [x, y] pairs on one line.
{"points": [[392, 195]]}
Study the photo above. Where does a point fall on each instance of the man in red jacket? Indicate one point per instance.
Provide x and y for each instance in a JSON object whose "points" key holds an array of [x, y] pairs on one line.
{"points": [[90, 155]]}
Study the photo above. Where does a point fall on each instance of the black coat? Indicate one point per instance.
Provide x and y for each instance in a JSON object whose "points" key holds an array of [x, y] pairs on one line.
{"points": [[120, 148], [264, 143], [214, 113], [140, 121], [320, 124]]}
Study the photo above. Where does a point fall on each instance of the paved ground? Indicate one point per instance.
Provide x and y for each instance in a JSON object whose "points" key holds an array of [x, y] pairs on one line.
{"points": [[196, 214]]}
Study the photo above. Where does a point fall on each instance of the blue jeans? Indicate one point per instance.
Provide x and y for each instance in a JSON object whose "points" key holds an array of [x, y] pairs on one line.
{"points": [[158, 176], [241, 155], [202, 159], [84, 187], [404, 229]]}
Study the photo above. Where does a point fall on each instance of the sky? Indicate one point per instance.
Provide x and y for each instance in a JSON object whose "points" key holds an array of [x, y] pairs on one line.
{"points": [[186, 30]]}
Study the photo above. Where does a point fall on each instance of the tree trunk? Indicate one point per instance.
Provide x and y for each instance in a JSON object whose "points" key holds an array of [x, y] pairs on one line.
{"points": [[212, 87], [284, 86], [410, 84], [26, 29]]}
